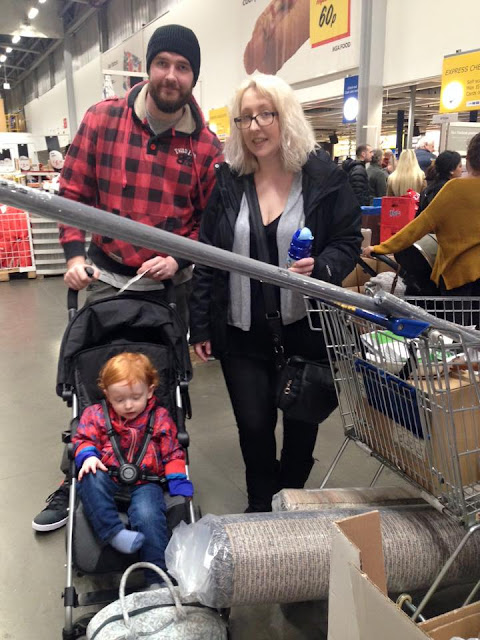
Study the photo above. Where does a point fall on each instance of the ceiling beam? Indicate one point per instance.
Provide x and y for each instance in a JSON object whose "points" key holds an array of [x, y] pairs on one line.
{"points": [[15, 48]]}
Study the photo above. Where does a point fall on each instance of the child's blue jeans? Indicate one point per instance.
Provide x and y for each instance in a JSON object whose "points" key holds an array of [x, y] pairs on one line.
{"points": [[146, 512]]}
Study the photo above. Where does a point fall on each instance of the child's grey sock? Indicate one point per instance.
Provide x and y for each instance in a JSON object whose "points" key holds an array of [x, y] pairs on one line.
{"points": [[127, 541]]}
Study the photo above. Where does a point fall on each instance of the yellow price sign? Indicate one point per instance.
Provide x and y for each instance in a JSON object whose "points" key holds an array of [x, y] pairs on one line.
{"points": [[220, 120], [329, 21]]}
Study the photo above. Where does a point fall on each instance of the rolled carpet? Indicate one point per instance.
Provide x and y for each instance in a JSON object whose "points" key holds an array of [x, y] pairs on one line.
{"points": [[349, 498], [285, 557]]}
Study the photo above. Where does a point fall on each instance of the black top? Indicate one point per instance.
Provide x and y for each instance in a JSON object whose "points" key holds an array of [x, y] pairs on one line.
{"points": [[259, 337]]}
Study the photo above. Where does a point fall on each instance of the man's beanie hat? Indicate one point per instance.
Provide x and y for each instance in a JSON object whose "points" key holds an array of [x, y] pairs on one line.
{"points": [[176, 39]]}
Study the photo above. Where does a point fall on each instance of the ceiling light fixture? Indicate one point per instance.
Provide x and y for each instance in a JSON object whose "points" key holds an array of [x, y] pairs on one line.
{"points": [[16, 39], [3, 57], [9, 49], [42, 1], [33, 13]]}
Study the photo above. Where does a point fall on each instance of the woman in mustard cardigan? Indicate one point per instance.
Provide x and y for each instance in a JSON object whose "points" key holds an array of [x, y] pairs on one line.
{"points": [[454, 216]]}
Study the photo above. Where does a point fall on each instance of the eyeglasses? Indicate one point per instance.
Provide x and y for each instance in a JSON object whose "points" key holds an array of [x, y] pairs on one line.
{"points": [[263, 119]]}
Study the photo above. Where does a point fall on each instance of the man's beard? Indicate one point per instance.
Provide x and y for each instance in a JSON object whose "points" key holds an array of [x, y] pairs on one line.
{"points": [[169, 106]]}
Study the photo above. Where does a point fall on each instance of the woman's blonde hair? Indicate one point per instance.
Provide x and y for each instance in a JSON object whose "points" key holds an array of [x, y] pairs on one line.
{"points": [[407, 175], [297, 139], [128, 367]]}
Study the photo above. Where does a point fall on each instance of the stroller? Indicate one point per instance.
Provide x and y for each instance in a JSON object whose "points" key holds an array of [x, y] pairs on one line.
{"points": [[97, 332]]}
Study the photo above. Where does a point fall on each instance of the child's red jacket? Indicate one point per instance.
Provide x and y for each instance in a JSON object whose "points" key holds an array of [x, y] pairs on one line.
{"points": [[164, 455]]}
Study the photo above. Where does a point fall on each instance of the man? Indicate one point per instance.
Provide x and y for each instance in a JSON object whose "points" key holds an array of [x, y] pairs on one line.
{"points": [[424, 152], [149, 157], [377, 178], [357, 173]]}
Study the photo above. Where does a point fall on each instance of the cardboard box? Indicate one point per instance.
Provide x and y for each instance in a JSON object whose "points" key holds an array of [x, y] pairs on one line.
{"points": [[454, 437], [359, 608]]}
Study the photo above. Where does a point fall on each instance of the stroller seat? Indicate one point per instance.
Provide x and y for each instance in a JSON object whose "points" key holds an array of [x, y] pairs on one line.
{"points": [[89, 555]]}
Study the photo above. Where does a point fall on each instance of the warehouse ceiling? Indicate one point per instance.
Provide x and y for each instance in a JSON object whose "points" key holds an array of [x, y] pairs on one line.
{"points": [[39, 35]]}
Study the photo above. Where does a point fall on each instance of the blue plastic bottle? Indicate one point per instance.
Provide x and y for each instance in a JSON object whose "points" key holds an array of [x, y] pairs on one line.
{"points": [[301, 246]]}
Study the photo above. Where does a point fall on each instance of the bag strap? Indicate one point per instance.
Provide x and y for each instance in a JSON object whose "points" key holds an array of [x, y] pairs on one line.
{"points": [[272, 312], [180, 611]]}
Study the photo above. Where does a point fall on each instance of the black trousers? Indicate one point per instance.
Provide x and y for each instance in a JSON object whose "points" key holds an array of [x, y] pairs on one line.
{"points": [[251, 385]]}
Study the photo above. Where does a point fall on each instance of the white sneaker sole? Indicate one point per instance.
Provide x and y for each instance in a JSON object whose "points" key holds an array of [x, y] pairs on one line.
{"points": [[49, 527]]}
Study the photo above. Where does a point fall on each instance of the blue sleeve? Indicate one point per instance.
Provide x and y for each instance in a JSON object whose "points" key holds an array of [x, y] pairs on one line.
{"points": [[180, 487], [85, 453]]}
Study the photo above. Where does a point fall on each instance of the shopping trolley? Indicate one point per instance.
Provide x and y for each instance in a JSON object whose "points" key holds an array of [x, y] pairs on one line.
{"points": [[409, 395]]}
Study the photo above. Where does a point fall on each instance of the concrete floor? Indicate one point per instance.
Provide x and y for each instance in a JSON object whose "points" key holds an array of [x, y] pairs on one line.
{"points": [[33, 318]]}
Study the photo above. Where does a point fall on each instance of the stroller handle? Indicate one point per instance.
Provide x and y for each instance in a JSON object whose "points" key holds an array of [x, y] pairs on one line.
{"points": [[72, 295]]}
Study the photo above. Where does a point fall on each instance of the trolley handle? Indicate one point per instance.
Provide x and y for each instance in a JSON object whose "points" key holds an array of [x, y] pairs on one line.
{"points": [[404, 327], [72, 295]]}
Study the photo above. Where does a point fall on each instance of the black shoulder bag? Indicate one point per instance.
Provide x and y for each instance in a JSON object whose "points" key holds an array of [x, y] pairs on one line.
{"points": [[305, 388]]}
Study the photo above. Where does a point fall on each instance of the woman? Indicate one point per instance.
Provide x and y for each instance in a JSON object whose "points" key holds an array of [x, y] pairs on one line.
{"points": [[448, 165], [454, 216], [273, 146], [407, 175]]}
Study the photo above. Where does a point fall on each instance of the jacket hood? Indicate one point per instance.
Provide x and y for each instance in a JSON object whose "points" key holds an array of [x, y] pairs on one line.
{"points": [[327, 176], [193, 104], [349, 163]]}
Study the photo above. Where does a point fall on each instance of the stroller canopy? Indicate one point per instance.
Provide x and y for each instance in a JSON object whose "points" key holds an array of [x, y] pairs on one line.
{"points": [[109, 326]]}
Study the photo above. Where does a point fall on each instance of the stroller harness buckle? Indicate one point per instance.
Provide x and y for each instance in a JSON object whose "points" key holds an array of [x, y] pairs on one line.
{"points": [[129, 473]]}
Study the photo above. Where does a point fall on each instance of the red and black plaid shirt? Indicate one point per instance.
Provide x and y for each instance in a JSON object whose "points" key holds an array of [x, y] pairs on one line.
{"points": [[116, 163]]}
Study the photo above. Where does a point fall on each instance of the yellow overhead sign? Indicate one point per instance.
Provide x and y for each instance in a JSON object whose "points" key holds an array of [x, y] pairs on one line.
{"points": [[329, 21], [461, 83]]}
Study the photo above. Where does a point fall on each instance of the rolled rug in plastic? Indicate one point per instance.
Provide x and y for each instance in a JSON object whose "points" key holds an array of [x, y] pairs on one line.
{"points": [[348, 498], [261, 558]]}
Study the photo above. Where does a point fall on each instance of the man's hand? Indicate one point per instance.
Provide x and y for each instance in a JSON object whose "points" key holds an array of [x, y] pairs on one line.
{"points": [[90, 465], [159, 268], [203, 350], [303, 267], [76, 277]]}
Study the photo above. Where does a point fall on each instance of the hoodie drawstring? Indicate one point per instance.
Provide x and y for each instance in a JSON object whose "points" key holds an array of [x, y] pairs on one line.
{"points": [[126, 140], [201, 195]]}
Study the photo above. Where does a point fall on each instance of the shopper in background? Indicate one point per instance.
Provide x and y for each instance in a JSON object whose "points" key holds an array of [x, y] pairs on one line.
{"points": [[273, 146], [389, 162], [357, 173], [454, 216], [148, 157], [407, 175], [448, 165], [377, 179], [424, 152]]}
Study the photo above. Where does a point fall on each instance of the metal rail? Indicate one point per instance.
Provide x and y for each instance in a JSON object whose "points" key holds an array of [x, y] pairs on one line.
{"points": [[102, 222]]}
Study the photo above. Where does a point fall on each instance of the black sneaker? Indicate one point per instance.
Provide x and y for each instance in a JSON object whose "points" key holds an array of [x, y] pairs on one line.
{"points": [[55, 514]]}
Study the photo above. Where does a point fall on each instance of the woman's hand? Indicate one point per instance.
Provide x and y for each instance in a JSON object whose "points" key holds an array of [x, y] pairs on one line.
{"points": [[90, 465], [367, 252], [203, 350], [303, 267]]}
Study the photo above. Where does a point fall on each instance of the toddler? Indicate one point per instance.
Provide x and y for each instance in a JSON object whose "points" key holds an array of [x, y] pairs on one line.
{"points": [[128, 381]]}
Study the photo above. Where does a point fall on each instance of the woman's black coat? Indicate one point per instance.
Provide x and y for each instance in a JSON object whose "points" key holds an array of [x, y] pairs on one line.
{"points": [[331, 213]]}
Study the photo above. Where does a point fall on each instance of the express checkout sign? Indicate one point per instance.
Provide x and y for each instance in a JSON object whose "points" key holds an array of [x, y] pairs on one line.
{"points": [[460, 82]]}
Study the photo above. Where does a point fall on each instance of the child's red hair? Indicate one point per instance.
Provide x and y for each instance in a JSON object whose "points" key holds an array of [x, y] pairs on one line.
{"points": [[128, 367]]}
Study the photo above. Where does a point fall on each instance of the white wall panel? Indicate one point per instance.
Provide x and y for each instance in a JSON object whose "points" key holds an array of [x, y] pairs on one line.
{"points": [[420, 34]]}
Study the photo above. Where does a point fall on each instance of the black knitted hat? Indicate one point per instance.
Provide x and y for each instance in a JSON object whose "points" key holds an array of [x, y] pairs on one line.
{"points": [[176, 39]]}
